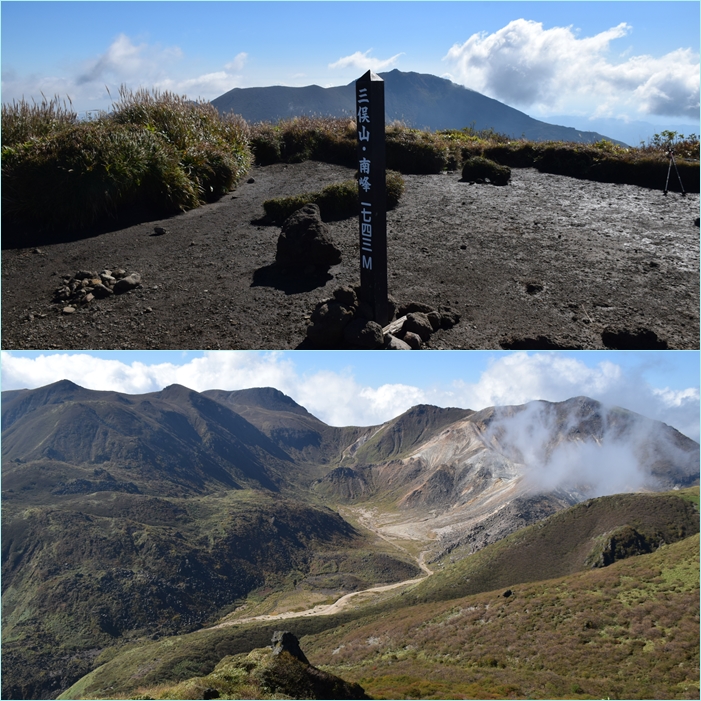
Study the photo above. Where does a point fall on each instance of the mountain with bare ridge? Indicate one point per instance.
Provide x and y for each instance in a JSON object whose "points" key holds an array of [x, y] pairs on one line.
{"points": [[420, 100], [128, 518]]}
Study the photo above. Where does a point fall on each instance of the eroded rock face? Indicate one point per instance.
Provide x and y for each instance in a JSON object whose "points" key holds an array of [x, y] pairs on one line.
{"points": [[284, 641], [306, 240]]}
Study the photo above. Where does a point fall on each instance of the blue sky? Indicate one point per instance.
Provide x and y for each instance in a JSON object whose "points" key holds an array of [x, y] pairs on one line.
{"points": [[365, 388], [633, 60]]}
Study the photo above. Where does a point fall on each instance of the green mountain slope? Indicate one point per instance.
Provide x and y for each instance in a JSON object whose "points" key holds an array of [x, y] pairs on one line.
{"points": [[391, 635], [113, 568], [627, 631]]}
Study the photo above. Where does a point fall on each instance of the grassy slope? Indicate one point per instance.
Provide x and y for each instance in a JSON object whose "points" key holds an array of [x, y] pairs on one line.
{"points": [[492, 569], [630, 630], [110, 569]]}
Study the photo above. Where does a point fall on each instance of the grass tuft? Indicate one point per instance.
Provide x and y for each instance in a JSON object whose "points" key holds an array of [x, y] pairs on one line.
{"points": [[155, 152]]}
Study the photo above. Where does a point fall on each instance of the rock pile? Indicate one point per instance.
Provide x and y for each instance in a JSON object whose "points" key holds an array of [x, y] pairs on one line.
{"points": [[342, 321], [86, 286], [305, 241]]}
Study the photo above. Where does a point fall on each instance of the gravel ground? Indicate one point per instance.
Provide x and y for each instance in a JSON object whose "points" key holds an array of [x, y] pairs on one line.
{"points": [[545, 262]]}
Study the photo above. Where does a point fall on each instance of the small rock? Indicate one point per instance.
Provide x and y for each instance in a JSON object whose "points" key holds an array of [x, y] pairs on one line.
{"points": [[418, 323], [449, 318], [346, 296], [130, 282], [435, 320], [364, 334], [69, 310], [412, 340], [159, 231], [394, 343], [251, 180], [101, 291]]}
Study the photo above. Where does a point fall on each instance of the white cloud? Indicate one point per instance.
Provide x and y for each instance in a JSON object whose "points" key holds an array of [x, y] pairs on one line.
{"points": [[340, 400], [552, 70], [236, 66], [363, 62], [125, 62]]}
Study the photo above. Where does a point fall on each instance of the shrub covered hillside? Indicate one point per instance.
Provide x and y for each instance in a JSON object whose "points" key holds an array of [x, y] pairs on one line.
{"points": [[155, 153]]}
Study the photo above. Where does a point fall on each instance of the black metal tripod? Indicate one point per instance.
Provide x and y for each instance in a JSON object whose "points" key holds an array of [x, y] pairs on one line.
{"points": [[670, 155]]}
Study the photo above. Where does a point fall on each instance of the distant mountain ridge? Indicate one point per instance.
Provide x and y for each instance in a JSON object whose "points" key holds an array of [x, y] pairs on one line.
{"points": [[420, 100]]}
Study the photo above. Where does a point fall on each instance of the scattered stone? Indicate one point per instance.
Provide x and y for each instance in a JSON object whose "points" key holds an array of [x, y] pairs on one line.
{"points": [[418, 323], [449, 317], [413, 307], [346, 296], [86, 286], [251, 180], [434, 319], [159, 231], [328, 322], [394, 343], [101, 291], [412, 339], [130, 282], [364, 335], [343, 321], [306, 240], [69, 310]]}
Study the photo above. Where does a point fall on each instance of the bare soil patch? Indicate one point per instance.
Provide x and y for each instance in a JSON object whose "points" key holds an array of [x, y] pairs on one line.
{"points": [[544, 262]]}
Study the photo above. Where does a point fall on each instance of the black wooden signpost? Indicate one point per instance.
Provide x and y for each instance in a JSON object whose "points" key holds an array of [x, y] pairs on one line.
{"points": [[370, 118]]}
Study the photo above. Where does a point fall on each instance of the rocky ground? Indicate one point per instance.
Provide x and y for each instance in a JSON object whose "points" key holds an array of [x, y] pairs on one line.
{"points": [[544, 262]]}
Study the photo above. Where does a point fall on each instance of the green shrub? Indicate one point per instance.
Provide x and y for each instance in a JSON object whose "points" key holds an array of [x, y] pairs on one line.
{"points": [[337, 201], [482, 169], [90, 171], [22, 121], [416, 152], [156, 151]]}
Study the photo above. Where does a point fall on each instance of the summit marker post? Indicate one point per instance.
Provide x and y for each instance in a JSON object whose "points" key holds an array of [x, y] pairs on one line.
{"points": [[370, 120]]}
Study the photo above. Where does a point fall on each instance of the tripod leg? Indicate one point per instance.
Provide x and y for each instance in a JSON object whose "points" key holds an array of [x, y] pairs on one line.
{"points": [[669, 170], [676, 170]]}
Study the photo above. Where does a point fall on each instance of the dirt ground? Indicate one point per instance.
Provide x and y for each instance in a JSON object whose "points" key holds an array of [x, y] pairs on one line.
{"points": [[545, 262]]}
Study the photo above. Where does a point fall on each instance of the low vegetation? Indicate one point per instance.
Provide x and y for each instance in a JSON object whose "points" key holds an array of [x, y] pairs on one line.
{"points": [[479, 629], [412, 151], [337, 201], [155, 154], [629, 631]]}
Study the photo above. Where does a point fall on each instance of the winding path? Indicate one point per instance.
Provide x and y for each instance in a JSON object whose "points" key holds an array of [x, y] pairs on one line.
{"points": [[339, 604]]}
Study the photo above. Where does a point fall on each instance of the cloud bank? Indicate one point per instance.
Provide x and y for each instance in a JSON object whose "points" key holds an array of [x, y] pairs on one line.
{"points": [[340, 400], [132, 64], [553, 70]]}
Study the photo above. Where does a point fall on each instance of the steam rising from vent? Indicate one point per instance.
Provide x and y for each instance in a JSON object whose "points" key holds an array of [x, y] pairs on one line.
{"points": [[583, 447]]}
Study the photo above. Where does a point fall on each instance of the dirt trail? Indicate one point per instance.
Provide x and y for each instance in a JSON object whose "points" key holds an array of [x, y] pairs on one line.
{"points": [[328, 609]]}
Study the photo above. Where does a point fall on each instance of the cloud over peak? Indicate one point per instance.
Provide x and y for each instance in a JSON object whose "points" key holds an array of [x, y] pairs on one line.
{"points": [[554, 70], [364, 62]]}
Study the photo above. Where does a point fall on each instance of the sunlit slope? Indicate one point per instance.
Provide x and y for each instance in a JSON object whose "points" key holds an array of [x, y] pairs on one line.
{"points": [[371, 635], [627, 631]]}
